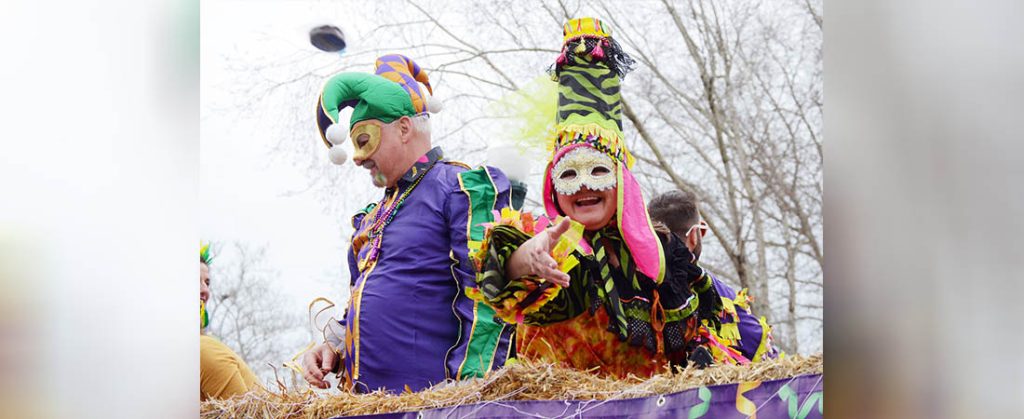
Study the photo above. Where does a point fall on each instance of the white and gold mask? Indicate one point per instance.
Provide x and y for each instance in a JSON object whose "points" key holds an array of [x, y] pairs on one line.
{"points": [[583, 166]]}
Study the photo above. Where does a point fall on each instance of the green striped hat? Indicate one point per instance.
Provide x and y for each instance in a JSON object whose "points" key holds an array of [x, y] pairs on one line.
{"points": [[588, 72]]}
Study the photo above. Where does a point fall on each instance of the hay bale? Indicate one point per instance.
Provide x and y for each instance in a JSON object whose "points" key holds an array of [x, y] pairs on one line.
{"points": [[523, 380]]}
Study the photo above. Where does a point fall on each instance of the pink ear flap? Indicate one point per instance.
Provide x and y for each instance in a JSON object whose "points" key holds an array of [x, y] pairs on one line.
{"points": [[636, 227], [550, 204]]}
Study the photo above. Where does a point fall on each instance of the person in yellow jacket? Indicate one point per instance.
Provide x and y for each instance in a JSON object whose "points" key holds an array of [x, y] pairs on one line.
{"points": [[222, 373]]}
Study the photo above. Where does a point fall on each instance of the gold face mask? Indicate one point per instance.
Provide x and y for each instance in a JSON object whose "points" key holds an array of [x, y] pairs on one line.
{"points": [[365, 138], [583, 166]]}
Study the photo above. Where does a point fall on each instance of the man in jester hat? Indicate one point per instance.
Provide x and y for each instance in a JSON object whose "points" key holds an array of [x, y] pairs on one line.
{"points": [[598, 287], [222, 373], [408, 323]]}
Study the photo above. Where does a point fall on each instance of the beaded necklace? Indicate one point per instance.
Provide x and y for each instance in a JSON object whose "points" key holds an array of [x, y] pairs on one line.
{"points": [[376, 233]]}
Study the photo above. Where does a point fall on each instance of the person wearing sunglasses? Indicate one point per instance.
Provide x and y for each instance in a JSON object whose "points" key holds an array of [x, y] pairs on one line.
{"points": [[743, 337]]}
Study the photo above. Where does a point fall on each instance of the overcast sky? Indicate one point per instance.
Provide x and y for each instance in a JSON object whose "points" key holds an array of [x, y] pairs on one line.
{"points": [[249, 193], [246, 194]]}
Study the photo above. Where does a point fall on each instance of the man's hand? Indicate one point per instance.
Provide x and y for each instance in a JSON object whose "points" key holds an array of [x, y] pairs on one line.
{"points": [[317, 362], [534, 256]]}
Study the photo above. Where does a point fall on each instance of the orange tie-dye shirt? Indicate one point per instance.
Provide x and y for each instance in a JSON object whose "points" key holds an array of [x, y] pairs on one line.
{"points": [[584, 342]]}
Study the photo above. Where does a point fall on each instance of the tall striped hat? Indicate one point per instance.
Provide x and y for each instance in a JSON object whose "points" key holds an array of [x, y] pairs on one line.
{"points": [[588, 71]]}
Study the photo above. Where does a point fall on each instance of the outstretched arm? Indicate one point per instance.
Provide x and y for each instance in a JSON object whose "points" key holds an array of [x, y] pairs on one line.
{"points": [[525, 277], [533, 258]]}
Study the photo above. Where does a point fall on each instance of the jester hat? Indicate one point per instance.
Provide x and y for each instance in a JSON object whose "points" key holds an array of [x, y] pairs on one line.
{"points": [[392, 92], [588, 72]]}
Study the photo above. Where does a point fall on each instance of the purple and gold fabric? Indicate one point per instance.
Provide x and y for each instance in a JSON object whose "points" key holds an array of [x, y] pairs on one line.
{"points": [[408, 322]]}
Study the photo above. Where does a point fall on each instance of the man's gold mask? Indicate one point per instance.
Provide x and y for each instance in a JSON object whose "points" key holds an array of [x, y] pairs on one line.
{"points": [[365, 138]]}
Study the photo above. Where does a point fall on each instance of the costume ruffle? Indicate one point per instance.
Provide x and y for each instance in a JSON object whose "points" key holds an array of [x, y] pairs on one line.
{"points": [[521, 300]]}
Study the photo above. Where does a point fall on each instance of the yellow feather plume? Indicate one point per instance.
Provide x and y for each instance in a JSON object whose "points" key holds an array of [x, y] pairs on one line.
{"points": [[526, 117]]}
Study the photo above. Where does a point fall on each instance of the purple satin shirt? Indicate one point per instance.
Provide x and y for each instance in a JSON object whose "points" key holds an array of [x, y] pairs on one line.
{"points": [[749, 324], [408, 322]]}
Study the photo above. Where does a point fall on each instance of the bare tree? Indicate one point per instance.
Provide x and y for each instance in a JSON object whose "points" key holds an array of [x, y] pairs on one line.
{"points": [[246, 312], [746, 108]]}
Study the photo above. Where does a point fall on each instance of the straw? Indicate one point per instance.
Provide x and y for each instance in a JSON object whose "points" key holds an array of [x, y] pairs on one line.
{"points": [[523, 380]]}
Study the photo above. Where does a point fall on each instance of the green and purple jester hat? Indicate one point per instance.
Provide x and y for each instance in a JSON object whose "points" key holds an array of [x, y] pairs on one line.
{"points": [[392, 92]]}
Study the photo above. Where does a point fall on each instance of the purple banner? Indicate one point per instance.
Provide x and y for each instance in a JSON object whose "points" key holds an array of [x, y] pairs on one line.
{"points": [[798, 397]]}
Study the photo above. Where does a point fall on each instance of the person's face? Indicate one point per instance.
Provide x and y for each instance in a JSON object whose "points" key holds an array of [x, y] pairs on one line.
{"points": [[383, 156], [593, 209], [204, 282]]}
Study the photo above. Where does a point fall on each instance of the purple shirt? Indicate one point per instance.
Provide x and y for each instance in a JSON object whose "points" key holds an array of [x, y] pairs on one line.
{"points": [[749, 324], [408, 321]]}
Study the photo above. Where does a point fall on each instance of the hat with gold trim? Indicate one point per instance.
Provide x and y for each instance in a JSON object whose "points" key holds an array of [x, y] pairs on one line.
{"points": [[588, 133]]}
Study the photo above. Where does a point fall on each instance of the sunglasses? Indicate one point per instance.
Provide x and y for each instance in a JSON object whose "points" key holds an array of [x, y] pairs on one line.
{"points": [[702, 226]]}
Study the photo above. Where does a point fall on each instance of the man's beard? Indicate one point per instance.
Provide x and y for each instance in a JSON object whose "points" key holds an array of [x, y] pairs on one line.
{"points": [[379, 180]]}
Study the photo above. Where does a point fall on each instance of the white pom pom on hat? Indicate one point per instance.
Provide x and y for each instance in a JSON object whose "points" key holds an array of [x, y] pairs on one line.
{"points": [[434, 105], [336, 134], [510, 159], [338, 155]]}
